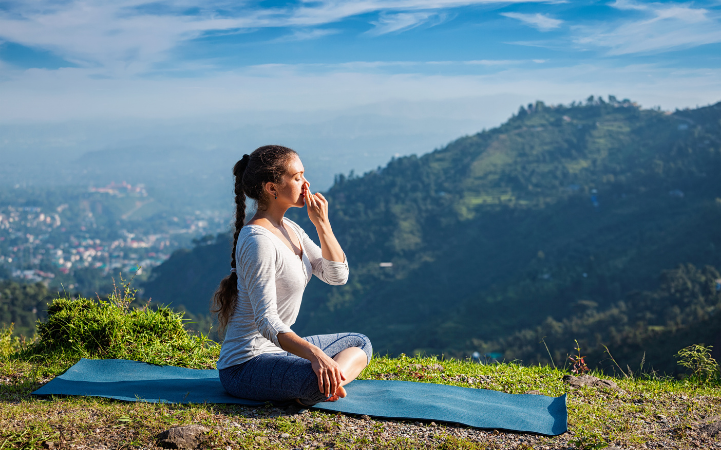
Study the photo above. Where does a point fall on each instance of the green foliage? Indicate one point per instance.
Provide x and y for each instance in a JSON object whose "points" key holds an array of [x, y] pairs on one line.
{"points": [[646, 325], [123, 295], [85, 328], [698, 358]]}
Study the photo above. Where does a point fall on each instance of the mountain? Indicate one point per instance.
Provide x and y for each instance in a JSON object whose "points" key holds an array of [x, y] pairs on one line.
{"points": [[558, 209]]}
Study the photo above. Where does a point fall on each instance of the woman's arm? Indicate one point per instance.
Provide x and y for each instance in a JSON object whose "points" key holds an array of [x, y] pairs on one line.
{"points": [[327, 370], [318, 214], [257, 267], [331, 271]]}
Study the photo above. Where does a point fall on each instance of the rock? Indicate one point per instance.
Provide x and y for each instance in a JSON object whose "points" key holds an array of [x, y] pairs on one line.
{"points": [[49, 444], [187, 436], [365, 417], [285, 435], [588, 380], [614, 448], [534, 392]]}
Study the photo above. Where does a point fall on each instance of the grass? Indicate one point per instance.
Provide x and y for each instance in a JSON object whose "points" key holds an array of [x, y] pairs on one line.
{"points": [[646, 409]]}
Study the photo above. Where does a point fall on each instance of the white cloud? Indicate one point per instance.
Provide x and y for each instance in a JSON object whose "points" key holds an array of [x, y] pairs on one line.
{"points": [[394, 23], [664, 27], [492, 62], [540, 21], [126, 37], [307, 35]]}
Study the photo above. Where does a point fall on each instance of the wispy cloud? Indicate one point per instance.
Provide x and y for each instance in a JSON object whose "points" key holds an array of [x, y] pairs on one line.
{"points": [[396, 23], [307, 35], [540, 21], [664, 27], [129, 36]]}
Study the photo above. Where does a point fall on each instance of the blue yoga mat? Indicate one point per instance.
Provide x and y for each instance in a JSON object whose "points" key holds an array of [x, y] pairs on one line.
{"points": [[135, 381]]}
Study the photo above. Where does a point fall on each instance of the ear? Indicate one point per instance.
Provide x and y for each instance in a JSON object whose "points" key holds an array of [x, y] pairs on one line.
{"points": [[270, 189]]}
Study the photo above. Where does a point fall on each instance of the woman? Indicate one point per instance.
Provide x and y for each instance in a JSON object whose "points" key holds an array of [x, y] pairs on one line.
{"points": [[272, 261]]}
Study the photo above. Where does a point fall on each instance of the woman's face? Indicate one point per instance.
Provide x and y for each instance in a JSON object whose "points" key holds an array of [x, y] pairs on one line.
{"points": [[294, 184]]}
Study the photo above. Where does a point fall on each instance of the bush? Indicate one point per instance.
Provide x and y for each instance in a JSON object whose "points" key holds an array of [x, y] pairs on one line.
{"points": [[97, 329], [698, 358]]}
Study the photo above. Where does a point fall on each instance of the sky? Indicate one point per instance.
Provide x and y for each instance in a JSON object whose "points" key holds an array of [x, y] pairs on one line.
{"points": [[368, 77]]}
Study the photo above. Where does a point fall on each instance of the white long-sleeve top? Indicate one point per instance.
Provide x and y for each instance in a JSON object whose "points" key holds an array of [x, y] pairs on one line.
{"points": [[271, 281]]}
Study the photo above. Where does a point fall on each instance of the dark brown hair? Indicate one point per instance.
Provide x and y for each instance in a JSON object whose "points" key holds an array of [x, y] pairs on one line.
{"points": [[266, 164]]}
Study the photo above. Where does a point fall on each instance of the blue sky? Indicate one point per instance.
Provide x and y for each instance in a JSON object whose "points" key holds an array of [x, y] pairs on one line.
{"points": [[445, 61]]}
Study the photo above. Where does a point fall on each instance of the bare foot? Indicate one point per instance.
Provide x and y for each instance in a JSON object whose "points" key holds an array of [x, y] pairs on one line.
{"points": [[339, 393]]}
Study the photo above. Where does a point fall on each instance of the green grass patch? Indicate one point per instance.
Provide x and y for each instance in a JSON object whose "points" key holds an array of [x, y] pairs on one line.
{"points": [[644, 410]]}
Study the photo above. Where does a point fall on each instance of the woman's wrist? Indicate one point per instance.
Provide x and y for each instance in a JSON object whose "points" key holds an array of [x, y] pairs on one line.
{"points": [[323, 227], [315, 353]]}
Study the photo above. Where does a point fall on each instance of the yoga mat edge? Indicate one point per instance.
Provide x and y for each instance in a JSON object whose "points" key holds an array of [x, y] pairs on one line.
{"points": [[403, 400]]}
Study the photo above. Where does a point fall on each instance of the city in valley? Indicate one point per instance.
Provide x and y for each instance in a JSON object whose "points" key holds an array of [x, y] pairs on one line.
{"points": [[96, 232]]}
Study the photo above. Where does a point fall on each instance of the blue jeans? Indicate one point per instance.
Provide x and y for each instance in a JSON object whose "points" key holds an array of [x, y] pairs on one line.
{"points": [[280, 377]]}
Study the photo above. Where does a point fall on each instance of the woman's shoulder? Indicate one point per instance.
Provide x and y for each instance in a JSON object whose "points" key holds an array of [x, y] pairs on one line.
{"points": [[254, 236]]}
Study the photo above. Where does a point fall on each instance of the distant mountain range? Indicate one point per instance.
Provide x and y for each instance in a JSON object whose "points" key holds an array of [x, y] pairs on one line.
{"points": [[562, 213]]}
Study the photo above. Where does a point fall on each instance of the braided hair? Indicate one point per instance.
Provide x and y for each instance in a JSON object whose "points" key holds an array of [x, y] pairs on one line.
{"points": [[266, 164]]}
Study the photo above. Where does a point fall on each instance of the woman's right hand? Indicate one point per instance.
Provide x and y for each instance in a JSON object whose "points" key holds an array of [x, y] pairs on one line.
{"points": [[326, 369], [329, 374]]}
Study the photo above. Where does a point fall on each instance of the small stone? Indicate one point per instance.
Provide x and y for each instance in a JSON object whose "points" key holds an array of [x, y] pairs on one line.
{"points": [[285, 435], [433, 424], [261, 439], [48, 444], [188, 436], [365, 417], [588, 380], [534, 392]]}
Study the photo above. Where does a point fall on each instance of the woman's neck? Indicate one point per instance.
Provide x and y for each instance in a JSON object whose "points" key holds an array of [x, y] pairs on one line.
{"points": [[274, 215]]}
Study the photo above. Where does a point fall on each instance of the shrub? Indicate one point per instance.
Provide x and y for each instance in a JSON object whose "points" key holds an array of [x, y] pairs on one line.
{"points": [[97, 329], [698, 358]]}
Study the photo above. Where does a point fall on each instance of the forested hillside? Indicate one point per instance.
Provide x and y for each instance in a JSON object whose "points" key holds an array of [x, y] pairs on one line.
{"points": [[557, 216]]}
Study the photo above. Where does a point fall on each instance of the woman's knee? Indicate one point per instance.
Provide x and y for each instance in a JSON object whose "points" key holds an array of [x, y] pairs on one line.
{"points": [[366, 345]]}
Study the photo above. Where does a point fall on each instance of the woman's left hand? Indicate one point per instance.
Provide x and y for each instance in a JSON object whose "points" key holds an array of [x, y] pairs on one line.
{"points": [[317, 208]]}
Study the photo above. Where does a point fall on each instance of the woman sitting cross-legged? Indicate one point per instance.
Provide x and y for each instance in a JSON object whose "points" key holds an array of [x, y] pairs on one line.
{"points": [[273, 259]]}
